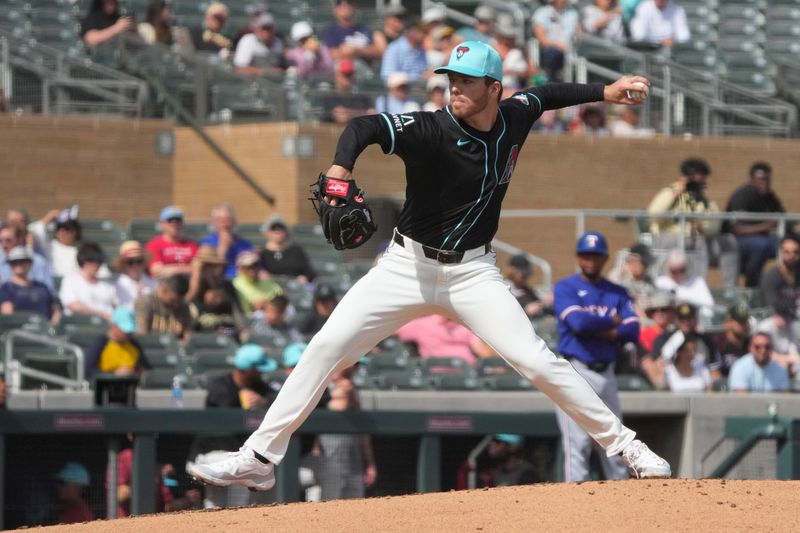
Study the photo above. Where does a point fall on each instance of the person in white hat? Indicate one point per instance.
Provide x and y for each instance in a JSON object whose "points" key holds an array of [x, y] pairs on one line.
{"points": [[21, 293], [398, 101], [260, 52], [308, 56]]}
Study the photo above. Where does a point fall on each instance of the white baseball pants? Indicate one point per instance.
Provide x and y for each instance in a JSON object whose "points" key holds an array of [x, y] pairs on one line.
{"points": [[577, 444], [405, 285]]}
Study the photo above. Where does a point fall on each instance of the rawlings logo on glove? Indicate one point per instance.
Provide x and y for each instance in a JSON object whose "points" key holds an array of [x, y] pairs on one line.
{"points": [[345, 217]]}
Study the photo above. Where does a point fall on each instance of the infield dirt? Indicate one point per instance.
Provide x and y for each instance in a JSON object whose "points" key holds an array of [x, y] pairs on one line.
{"points": [[672, 505]]}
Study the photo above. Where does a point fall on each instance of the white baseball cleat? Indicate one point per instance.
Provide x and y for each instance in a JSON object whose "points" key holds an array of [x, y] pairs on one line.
{"points": [[643, 463], [239, 468]]}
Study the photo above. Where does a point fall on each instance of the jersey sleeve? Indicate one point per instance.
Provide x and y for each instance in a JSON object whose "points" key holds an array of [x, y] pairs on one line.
{"points": [[628, 330], [569, 310], [396, 134], [535, 100]]}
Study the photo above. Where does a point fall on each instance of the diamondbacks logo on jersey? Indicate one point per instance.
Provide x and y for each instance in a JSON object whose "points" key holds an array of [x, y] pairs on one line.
{"points": [[401, 121], [461, 50], [510, 164], [522, 98]]}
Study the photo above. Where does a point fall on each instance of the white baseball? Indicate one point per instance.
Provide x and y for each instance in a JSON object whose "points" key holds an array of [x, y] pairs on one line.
{"points": [[640, 93]]}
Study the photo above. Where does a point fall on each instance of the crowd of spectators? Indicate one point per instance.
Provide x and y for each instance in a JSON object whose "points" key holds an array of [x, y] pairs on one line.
{"points": [[347, 50]]}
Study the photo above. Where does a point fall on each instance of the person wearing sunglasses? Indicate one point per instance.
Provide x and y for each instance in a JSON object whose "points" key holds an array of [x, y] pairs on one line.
{"points": [[756, 372], [133, 280]]}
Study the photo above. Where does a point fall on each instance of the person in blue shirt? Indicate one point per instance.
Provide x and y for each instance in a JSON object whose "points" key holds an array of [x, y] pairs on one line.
{"points": [[224, 240], [595, 318], [406, 55], [756, 372], [40, 268], [23, 294]]}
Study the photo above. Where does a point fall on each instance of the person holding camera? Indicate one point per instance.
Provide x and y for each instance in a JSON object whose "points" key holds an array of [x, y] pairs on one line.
{"points": [[702, 238]]}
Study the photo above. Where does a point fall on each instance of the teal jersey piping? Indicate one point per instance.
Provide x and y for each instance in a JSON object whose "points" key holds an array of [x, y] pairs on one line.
{"points": [[496, 178], [541, 107], [391, 132], [483, 183]]}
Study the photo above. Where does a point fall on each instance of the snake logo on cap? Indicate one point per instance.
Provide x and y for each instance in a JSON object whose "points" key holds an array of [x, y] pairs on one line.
{"points": [[461, 50]]}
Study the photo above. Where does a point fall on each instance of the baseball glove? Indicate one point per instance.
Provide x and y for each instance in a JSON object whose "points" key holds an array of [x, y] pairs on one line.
{"points": [[348, 222]]}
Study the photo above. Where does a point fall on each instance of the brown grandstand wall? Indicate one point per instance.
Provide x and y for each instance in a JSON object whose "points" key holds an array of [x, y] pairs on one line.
{"points": [[552, 172], [203, 180], [107, 166]]}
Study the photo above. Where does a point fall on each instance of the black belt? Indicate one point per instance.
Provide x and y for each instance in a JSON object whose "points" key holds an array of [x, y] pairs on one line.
{"points": [[447, 257], [594, 367]]}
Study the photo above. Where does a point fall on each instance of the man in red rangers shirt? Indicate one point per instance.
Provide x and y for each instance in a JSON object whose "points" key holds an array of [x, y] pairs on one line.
{"points": [[171, 252]]}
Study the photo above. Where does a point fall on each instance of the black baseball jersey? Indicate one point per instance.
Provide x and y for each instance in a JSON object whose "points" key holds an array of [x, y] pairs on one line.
{"points": [[456, 175]]}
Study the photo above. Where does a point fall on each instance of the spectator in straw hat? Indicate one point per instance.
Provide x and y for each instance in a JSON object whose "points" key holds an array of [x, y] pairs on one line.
{"points": [[133, 280], [439, 42], [398, 101]]}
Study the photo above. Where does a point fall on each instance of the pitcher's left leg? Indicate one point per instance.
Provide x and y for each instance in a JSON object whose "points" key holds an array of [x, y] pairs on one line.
{"points": [[480, 297]]}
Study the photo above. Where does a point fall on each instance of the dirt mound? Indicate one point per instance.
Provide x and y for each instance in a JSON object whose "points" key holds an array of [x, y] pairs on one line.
{"points": [[619, 506]]}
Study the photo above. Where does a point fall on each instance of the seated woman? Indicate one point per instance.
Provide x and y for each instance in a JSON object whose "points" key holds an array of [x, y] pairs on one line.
{"points": [[684, 372]]}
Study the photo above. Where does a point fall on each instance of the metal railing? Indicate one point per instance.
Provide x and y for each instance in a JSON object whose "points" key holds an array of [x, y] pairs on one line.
{"points": [[16, 369], [684, 100], [37, 78]]}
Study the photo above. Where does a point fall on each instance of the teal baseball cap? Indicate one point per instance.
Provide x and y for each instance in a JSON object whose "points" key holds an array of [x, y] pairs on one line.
{"points": [[509, 438], [253, 357], [292, 354], [476, 59], [124, 319], [74, 473]]}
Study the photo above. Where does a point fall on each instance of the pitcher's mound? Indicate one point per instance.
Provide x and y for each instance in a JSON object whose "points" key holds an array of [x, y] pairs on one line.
{"points": [[669, 505]]}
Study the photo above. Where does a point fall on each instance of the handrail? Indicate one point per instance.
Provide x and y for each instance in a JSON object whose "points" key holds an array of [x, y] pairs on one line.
{"points": [[774, 430], [544, 266], [57, 70], [211, 143], [15, 367]]}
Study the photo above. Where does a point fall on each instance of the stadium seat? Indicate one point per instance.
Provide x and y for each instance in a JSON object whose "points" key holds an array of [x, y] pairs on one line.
{"points": [[142, 230], [208, 360], [449, 373], [32, 322], [210, 341], [632, 382], [50, 361], [78, 322], [160, 349], [158, 378]]}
